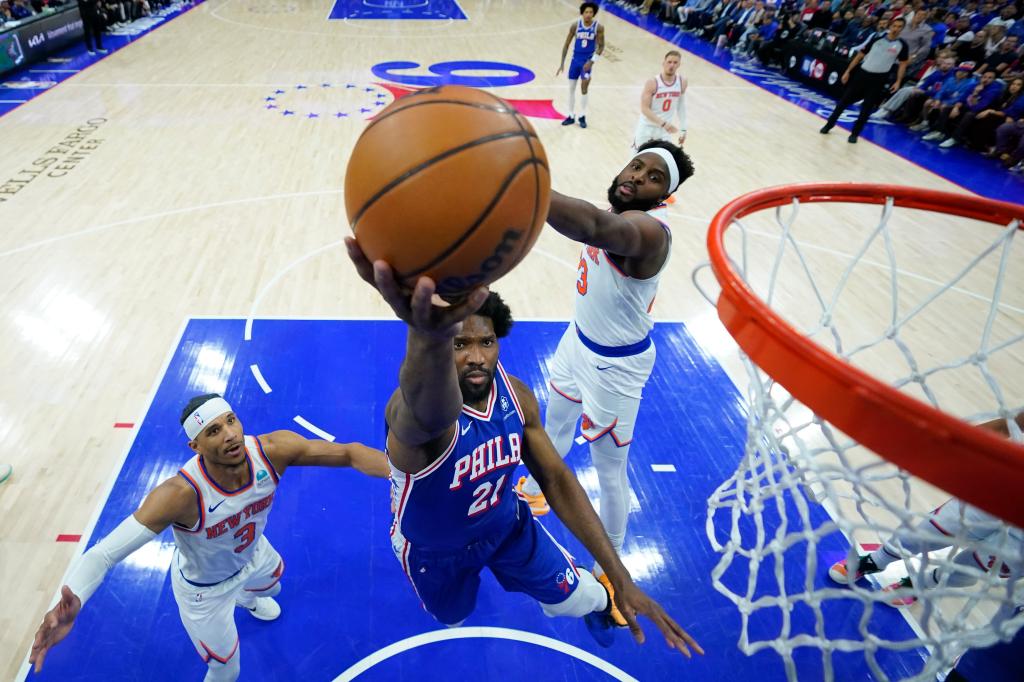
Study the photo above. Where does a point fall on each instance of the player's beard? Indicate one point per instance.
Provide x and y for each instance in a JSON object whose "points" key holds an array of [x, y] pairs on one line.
{"points": [[471, 393], [634, 204]]}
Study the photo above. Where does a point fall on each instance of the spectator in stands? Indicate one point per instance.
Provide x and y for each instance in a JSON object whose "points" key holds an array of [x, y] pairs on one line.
{"points": [[822, 16], [856, 34], [1000, 60], [995, 38], [20, 10], [960, 31], [5, 12], [981, 97], [745, 19], [789, 29], [906, 104], [728, 18], [981, 18], [1006, 17], [92, 20], [979, 131], [866, 77], [1010, 143], [760, 34], [719, 17], [941, 21], [951, 92], [692, 9], [973, 51], [918, 37]]}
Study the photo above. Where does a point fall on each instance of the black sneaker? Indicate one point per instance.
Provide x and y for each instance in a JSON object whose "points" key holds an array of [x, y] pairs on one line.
{"points": [[583, 121], [852, 139], [569, 120], [825, 129]]}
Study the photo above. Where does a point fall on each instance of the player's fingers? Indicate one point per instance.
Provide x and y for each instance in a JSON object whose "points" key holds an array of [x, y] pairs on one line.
{"points": [[421, 303], [630, 615], [467, 306], [384, 278], [38, 658], [363, 265]]}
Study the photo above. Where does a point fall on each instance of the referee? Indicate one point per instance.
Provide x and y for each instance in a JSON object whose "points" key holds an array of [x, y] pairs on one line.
{"points": [[868, 82]]}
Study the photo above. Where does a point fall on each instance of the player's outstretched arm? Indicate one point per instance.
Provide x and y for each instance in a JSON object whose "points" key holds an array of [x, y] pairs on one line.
{"points": [[429, 400], [289, 449], [573, 508], [170, 501], [632, 234]]}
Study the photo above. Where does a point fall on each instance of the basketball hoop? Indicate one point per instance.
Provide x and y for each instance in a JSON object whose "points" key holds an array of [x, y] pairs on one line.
{"points": [[824, 429]]}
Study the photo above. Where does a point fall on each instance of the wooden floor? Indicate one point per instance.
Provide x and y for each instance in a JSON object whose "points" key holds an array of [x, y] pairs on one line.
{"points": [[197, 201]]}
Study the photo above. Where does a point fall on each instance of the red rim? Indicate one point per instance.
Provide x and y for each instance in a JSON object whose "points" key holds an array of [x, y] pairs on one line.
{"points": [[973, 464]]}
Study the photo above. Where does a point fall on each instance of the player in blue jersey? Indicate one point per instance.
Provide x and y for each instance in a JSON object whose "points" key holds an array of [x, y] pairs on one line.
{"points": [[458, 427], [589, 37]]}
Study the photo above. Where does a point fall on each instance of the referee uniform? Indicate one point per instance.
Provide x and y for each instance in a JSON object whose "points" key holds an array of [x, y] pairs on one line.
{"points": [[871, 69]]}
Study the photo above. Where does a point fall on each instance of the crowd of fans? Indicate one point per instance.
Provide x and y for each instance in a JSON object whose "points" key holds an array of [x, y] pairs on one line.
{"points": [[965, 74], [111, 14]]}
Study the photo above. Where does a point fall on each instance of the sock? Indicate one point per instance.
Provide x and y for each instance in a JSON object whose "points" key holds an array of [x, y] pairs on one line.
{"points": [[583, 105], [572, 98], [883, 557], [610, 462]]}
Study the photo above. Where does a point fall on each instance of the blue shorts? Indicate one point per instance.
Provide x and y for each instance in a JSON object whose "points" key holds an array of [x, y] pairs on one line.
{"points": [[526, 559], [576, 68]]}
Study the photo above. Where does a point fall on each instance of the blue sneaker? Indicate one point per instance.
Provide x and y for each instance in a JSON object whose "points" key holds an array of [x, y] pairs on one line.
{"points": [[583, 121], [569, 120], [599, 623]]}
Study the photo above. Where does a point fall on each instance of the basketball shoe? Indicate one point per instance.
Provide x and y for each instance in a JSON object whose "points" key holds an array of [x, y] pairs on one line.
{"points": [[900, 592], [538, 504], [865, 566], [602, 624], [613, 612], [265, 608]]}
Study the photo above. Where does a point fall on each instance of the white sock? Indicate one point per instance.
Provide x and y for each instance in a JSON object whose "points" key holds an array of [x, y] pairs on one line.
{"points": [[589, 596], [883, 557], [610, 462], [583, 105], [572, 98]]}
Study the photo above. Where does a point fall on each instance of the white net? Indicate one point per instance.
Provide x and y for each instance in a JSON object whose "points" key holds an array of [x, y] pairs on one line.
{"points": [[933, 305]]}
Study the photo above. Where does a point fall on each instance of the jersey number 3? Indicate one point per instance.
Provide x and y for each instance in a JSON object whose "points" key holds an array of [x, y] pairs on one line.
{"points": [[581, 283], [246, 534]]}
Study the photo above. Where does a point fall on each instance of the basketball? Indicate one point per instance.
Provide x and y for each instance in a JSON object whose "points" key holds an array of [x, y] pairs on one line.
{"points": [[451, 183]]}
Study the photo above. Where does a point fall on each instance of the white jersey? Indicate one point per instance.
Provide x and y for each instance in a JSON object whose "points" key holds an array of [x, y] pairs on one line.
{"points": [[665, 103], [230, 521], [612, 308]]}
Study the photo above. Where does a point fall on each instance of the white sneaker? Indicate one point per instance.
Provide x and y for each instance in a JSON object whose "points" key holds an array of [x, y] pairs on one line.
{"points": [[5, 472], [265, 609], [947, 143], [934, 135], [918, 127]]}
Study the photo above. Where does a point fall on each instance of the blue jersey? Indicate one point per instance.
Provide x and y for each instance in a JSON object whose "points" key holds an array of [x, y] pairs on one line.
{"points": [[586, 41], [466, 494]]}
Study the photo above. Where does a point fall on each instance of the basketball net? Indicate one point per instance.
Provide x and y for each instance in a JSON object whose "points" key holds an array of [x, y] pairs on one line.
{"points": [[806, 494]]}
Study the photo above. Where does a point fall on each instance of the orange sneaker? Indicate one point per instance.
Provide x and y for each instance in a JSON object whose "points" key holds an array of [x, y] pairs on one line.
{"points": [[538, 504], [615, 614]]}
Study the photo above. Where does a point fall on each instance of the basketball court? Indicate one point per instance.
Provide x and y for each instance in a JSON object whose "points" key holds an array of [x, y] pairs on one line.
{"points": [[174, 217]]}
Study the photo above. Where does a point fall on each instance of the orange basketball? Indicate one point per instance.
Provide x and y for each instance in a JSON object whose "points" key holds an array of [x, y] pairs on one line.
{"points": [[451, 183]]}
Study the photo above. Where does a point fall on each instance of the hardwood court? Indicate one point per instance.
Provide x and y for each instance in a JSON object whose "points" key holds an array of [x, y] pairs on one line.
{"points": [[191, 198]]}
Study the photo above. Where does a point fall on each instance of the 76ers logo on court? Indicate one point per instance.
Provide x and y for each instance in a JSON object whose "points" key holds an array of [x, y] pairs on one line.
{"points": [[565, 580]]}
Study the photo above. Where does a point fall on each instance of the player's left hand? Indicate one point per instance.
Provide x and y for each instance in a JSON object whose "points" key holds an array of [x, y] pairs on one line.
{"points": [[631, 601]]}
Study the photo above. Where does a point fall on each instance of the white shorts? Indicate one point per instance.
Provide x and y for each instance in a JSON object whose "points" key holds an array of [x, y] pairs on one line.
{"points": [[208, 613], [645, 132], [609, 389]]}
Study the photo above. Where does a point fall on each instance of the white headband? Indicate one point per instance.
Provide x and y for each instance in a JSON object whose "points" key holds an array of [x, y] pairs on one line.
{"points": [[204, 414], [673, 169]]}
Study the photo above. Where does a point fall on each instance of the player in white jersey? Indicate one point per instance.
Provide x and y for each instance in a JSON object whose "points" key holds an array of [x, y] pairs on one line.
{"points": [[217, 506], [606, 354], [663, 105]]}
